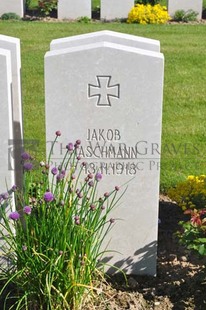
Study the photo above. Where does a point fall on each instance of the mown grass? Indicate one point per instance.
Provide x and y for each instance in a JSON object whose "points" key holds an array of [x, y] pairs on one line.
{"points": [[184, 122]]}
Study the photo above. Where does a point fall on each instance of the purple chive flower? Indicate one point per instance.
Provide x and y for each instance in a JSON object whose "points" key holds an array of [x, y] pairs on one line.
{"points": [[98, 176], [60, 177], [90, 176], [77, 220], [28, 166], [48, 197], [80, 195], [47, 166], [58, 133], [91, 183], [106, 195], [27, 210], [112, 221], [84, 164], [117, 188], [78, 157], [54, 171], [102, 207], [25, 156], [24, 247], [14, 188], [70, 146], [5, 196], [78, 142], [63, 172], [92, 207], [14, 216]]}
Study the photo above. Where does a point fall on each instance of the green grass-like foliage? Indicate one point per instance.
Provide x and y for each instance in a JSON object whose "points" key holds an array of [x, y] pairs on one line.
{"points": [[27, 3], [185, 16], [7, 16], [84, 20], [54, 239]]}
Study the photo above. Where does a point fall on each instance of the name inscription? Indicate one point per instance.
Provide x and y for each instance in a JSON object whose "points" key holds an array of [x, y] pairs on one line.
{"points": [[103, 135]]}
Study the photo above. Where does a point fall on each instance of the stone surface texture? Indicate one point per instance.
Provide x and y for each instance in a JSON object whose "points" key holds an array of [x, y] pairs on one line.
{"points": [[13, 45], [12, 6], [110, 95], [6, 162], [70, 9], [115, 9], [108, 36]]}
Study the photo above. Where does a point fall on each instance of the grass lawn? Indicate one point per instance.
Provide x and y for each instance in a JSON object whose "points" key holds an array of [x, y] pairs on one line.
{"points": [[184, 121]]}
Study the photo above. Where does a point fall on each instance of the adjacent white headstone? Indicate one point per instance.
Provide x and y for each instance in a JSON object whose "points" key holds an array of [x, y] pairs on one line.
{"points": [[176, 5], [110, 96], [13, 45], [6, 132], [70, 9], [109, 36], [12, 6], [115, 9]]}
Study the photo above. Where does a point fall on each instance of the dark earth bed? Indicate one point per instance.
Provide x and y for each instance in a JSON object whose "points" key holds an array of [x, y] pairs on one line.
{"points": [[181, 275]]}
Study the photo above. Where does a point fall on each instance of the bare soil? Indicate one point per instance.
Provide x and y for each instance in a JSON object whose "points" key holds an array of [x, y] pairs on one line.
{"points": [[181, 275]]}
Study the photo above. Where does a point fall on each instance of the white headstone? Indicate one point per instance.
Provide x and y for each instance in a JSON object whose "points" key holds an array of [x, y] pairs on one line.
{"points": [[12, 6], [109, 36], [70, 9], [13, 45], [110, 96], [6, 133], [176, 5], [115, 9], [6, 174]]}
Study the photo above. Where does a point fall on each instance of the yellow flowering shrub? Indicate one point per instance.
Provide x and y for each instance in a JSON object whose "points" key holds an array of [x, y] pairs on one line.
{"points": [[190, 194], [148, 14]]}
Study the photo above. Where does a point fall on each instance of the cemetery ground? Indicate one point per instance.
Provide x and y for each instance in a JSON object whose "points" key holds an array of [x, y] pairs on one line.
{"points": [[179, 283]]}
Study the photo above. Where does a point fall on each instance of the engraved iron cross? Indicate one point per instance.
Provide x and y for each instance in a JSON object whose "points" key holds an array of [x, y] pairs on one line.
{"points": [[103, 90]]}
